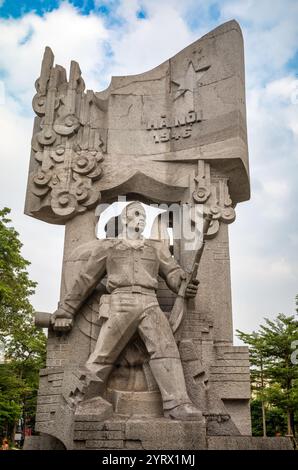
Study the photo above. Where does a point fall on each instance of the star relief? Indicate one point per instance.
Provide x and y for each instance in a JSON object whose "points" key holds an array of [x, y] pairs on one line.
{"points": [[188, 81]]}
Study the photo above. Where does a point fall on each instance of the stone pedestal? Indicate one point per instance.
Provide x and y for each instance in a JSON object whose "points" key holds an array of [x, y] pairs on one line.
{"points": [[136, 434], [139, 433]]}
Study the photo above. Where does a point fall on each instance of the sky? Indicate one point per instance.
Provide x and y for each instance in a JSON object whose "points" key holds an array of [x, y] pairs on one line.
{"points": [[120, 37]]}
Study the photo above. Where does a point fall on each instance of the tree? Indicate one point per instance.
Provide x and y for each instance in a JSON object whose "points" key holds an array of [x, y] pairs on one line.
{"points": [[11, 390], [15, 285], [24, 344], [274, 375], [276, 420], [257, 373]]}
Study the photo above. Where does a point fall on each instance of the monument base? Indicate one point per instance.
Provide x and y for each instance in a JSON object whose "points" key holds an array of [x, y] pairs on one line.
{"points": [[152, 434], [140, 433]]}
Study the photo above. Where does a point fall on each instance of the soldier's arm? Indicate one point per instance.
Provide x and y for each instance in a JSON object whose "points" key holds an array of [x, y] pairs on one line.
{"points": [[82, 286], [169, 269], [173, 274]]}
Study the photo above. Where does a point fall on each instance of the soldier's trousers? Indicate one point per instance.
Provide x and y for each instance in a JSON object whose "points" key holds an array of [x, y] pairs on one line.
{"points": [[125, 314]]}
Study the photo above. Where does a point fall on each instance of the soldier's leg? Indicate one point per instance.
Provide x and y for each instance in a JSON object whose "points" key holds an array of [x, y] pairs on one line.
{"points": [[115, 333], [166, 365]]}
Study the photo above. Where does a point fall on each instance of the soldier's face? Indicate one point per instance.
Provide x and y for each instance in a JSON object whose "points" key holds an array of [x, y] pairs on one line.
{"points": [[136, 219]]}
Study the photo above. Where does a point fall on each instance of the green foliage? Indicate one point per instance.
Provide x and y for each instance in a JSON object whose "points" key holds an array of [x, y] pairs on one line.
{"points": [[11, 389], [275, 419], [274, 376], [24, 344]]}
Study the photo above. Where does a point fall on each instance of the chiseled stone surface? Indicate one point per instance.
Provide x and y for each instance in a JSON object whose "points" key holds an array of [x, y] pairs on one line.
{"points": [[137, 403], [167, 434], [174, 134], [94, 408], [249, 443], [123, 442], [145, 433], [143, 126]]}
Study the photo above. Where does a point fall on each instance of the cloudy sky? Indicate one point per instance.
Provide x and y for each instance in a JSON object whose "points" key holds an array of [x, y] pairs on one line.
{"points": [[120, 37]]}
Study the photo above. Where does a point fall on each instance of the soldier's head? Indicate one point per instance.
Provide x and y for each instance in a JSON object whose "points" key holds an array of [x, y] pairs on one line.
{"points": [[133, 218]]}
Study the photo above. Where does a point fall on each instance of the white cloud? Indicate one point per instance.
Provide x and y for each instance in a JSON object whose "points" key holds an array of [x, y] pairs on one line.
{"points": [[68, 33], [146, 43], [265, 270], [270, 35], [277, 189], [264, 14], [282, 88]]}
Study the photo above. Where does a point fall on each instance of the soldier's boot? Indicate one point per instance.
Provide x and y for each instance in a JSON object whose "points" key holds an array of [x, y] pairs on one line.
{"points": [[169, 376], [184, 412]]}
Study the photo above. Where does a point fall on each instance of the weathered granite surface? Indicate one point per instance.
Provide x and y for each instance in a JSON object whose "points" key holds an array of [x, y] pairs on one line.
{"points": [[175, 134]]}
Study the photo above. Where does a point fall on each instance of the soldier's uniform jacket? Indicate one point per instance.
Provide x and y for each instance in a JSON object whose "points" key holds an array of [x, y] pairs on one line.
{"points": [[128, 264]]}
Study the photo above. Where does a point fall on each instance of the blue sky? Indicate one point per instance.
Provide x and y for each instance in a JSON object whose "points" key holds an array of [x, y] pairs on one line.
{"points": [[120, 37], [13, 9], [17, 9]]}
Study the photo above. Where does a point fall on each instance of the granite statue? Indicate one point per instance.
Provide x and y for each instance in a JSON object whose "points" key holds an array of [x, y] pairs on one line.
{"points": [[132, 265], [120, 373]]}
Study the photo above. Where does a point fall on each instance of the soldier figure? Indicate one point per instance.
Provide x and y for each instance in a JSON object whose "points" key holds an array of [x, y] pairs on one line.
{"points": [[132, 265]]}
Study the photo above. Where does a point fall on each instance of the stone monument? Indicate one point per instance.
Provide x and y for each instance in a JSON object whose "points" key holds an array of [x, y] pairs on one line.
{"points": [[123, 372]]}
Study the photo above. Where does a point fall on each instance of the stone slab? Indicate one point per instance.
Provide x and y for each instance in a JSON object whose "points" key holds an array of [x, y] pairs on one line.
{"points": [[167, 434], [248, 443]]}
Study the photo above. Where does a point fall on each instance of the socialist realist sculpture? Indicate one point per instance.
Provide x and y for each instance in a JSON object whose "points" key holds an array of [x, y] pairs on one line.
{"points": [[132, 265]]}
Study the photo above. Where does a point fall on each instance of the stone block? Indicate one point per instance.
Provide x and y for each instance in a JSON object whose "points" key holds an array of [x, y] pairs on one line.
{"points": [[115, 424], [46, 408], [167, 434], [104, 444], [84, 435], [95, 409], [93, 435], [133, 445], [88, 426], [47, 399], [249, 443]]}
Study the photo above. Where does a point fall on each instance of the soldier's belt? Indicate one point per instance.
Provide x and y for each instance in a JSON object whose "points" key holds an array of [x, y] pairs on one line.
{"points": [[134, 290]]}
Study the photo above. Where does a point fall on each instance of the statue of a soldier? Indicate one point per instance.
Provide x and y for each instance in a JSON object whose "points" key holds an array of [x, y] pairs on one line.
{"points": [[132, 265]]}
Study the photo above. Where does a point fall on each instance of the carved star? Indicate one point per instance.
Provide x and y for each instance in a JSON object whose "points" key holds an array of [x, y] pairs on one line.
{"points": [[188, 81]]}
